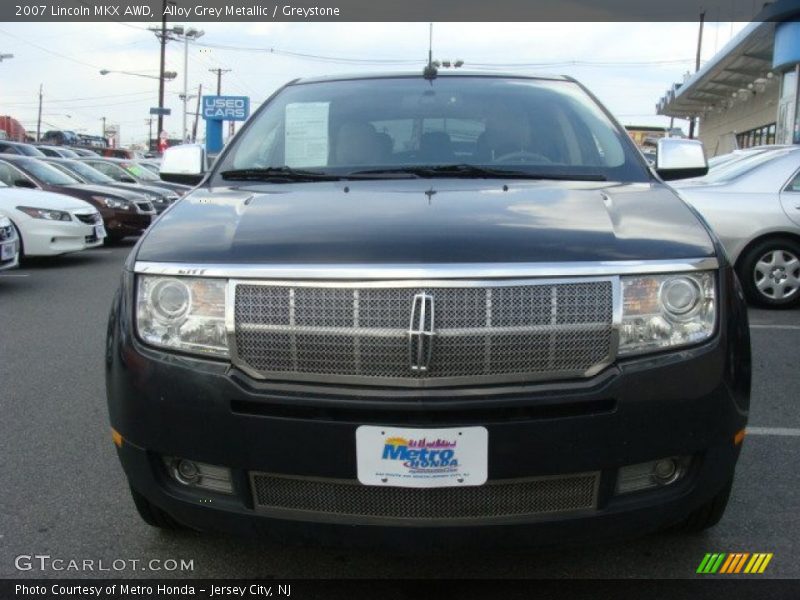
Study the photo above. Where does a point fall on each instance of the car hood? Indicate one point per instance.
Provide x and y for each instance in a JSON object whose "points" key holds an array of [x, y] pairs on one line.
{"points": [[427, 221], [103, 190], [39, 199]]}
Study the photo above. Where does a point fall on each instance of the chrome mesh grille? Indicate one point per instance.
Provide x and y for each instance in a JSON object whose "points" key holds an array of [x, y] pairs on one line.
{"points": [[508, 498], [554, 329]]}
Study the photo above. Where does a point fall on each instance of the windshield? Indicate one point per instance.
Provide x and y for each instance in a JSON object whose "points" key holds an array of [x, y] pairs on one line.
{"points": [[112, 170], [86, 172], [139, 171], [47, 174], [528, 126], [736, 168], [29, 150]]}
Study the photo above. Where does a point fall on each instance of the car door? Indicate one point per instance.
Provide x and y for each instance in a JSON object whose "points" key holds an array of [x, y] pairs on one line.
{"points": [[790, 198]]}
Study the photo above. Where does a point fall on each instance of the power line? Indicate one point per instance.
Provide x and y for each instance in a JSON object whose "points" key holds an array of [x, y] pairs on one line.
{"points": [[397, 61], [43, 49]]}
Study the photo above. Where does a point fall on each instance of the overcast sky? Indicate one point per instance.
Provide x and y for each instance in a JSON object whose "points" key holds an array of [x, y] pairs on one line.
{"points": [[641, 61]]}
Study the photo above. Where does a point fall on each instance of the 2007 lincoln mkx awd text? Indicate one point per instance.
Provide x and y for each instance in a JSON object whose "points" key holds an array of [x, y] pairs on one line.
{"points": [[431, 305]]}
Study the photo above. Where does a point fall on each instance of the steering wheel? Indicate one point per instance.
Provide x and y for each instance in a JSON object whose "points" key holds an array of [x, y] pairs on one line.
{"points": [[522, 157]]}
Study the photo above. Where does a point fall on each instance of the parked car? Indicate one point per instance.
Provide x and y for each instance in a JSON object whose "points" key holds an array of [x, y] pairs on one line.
{"points": [[57, 151], [9, 242], [124, 212], [753, 204], [160, 197], [430, 306], [60, 137], [20, 148], [49, 224], [127, 171]]}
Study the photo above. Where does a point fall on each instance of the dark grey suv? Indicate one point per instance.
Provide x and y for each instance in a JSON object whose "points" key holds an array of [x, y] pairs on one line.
{"points": [[430, 307]]}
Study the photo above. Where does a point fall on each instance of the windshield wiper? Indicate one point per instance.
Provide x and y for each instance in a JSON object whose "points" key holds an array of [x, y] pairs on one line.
{"points": [[277, 174], [476, 171]]}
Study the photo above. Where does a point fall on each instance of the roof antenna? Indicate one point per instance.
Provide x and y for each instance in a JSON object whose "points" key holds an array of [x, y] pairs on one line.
{"points": [[430, 70]]}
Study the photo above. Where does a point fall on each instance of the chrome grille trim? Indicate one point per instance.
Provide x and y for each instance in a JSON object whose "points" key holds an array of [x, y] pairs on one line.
{"points": [[296, 351], [363, 272], [497, 500]]}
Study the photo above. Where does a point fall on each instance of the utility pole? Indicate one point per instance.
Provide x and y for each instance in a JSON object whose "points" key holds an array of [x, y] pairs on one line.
{"points": [[697, 65], [197, 113], [219, 73], [149, 134], [163, 40], [103, 119], [39, 119], [193, 34]]}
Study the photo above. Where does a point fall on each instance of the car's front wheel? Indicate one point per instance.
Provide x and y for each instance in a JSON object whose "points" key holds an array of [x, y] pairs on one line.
{"points": [[770, 273]]}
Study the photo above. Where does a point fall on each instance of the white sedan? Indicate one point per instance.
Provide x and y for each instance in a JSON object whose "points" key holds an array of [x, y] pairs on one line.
{"points": [[9, 245], [49, 224]]}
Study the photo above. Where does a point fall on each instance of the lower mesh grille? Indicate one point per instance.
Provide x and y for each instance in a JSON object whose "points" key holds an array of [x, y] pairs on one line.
{"points": [[507, 498]]}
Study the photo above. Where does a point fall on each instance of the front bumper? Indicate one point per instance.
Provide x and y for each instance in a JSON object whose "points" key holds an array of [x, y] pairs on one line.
{"points": [[126, 222], [686, 403], [51, 238]]}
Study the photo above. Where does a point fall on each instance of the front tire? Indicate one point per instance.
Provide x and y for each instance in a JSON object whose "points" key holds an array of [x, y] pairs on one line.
{"points": [[770, 273]]}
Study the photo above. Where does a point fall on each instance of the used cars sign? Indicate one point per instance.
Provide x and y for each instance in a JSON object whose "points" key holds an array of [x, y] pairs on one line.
{"points": [[226, 108]]}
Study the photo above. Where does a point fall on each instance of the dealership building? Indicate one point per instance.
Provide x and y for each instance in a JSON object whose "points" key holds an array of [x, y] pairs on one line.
{"points": [[748, 93]]}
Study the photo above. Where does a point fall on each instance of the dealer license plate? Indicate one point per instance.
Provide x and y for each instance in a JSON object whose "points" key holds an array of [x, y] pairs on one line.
{"points": [[422, 458], [7, 251]]}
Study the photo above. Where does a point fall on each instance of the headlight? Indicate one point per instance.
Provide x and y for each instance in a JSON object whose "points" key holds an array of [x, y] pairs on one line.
{"points": [[113, 202], [45, 213], [182, 313], [665, 311]]}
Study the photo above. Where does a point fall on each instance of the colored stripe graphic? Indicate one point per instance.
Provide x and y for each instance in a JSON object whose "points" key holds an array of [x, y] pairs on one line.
{"points": [[734, 563], [711, 563]]}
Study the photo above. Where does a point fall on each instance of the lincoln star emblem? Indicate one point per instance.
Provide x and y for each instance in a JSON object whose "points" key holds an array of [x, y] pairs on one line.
{"points": [[420, 332]]}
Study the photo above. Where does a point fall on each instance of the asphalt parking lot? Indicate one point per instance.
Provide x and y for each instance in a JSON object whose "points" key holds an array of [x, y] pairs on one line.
{"points": [[64, 494]]}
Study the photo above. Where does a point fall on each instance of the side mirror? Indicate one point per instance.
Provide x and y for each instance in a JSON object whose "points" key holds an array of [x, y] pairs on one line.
{"points": [[184, 164], [680, 159], [127, 179], [24, 183]]}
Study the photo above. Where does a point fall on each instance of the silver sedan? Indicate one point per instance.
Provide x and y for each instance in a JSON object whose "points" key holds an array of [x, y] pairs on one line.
{"points": [[753, 205]]}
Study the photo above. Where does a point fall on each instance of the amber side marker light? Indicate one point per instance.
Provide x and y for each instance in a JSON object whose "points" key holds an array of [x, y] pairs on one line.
{"points": [[117, 437], [739, 437]]}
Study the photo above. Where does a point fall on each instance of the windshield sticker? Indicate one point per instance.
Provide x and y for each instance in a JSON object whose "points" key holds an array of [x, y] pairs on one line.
{"points": [[307, 134]]}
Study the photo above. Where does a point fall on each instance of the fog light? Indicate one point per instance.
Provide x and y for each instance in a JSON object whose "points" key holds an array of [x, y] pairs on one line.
{"points": [[199, 475], [186, 471], [657, 473], [665, 469]]}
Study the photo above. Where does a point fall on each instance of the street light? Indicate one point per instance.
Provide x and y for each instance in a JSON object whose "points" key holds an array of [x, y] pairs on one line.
{"points": [[168, 75], [192, 34]]}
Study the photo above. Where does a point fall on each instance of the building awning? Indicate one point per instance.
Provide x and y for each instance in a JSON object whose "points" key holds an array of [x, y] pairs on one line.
{"points": [[742, 67]]}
